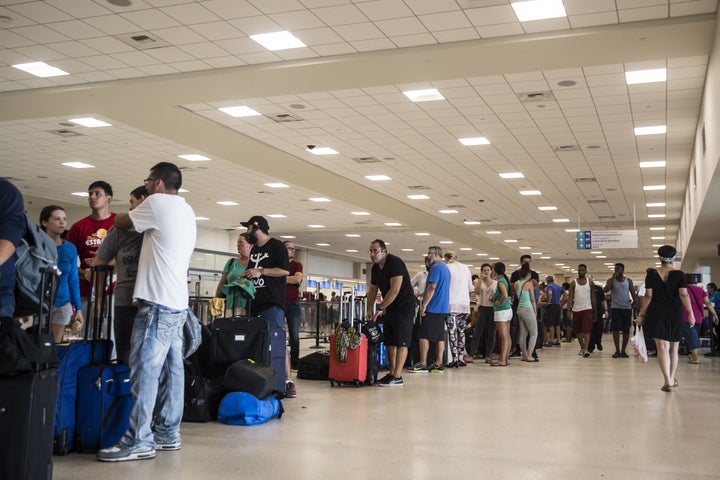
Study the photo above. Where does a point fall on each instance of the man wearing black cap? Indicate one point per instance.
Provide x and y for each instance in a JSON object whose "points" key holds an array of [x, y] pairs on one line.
{"points": [[268, 269]]}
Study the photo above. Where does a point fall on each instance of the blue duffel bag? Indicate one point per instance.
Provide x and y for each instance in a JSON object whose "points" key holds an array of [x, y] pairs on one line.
{"points": [[241, 408]]}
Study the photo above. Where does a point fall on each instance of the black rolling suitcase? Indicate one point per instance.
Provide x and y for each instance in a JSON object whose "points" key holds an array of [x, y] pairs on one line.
{"points": [[27, 405]]}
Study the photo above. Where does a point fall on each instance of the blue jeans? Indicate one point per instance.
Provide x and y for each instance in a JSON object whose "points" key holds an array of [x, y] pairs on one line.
{"points": [[156, 372], [692, 335], [292, 313], [275, 317]]}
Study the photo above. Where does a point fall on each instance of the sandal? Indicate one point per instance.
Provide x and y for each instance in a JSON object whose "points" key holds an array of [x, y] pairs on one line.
{"points": [[498, 364], [665, 388], [675, 384]]}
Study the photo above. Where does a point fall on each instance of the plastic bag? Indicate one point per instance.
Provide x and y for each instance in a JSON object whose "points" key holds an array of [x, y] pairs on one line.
{"points": [[638, 344]]}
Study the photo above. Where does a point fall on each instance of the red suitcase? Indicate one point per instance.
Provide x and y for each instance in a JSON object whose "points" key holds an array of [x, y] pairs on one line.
{"points": [[354, 370]]}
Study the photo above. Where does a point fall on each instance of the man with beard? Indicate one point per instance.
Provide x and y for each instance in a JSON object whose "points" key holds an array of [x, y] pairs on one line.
{"points": [[434, 309], [621, 289], [581, 307], [390, 276], [268, 268]]}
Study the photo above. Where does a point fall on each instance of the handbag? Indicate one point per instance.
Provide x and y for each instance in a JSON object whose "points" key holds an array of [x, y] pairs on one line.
{"points": [[192, 334], [638, 344]]}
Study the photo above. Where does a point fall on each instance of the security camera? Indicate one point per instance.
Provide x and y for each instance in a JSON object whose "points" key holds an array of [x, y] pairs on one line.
{"points": [[310, 147]]}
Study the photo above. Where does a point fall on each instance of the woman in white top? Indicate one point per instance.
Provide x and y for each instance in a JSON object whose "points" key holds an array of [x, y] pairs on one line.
{"points": [[460, 289]]}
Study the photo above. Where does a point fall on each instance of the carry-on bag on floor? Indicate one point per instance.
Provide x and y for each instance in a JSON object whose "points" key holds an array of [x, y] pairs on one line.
{"points": [[74, 355], [202, 396], [104, 398], [27, 410], [315, 366], [278, 352], [251, 377]]}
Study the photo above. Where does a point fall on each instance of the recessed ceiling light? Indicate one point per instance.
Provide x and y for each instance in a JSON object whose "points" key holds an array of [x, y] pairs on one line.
{"points": [[561, 220], [448, 211], [469, 142], [194, 157], [601, 256], [322, 151], [481, 254], [654, 164], [657, 238], [287, 236], [319, 199], [646, 76], [360, 213], [40, 69], [407, 249], [511, 175], [80, 194], [322, 244], [559, 264], [426, 95], [656, 215], [536, 253], [393, 224], [471, 222], [510, 240], [658, 245], [276, 185], [351, 250], [524, 248], [545, 258], [465, 249], [377, 178], [227, 203], [276, 215], [596, 253], [655, 204], [78, 165], [273, 41], [89, 122], [446, 242], [538, 9], [654, 130], [422, 234], [547, 209], [201, 219], [418, 197], [352, 235], [657, 228], [240, 111], [530, 192], [493, 232], [572, 230], [653, 187], [316, 226]]}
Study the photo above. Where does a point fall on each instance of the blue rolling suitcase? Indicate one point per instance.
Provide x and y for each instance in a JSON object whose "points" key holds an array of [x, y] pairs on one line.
{"points": [[278, 352], [104, 397]]}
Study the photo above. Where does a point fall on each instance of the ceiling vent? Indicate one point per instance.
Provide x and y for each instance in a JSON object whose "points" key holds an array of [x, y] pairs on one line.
{"points": [[141, 41], [418, 187], [318, 210], [533, 97], [586, 180], [566, 148], [456, 206], [64, 132], [595, 202], [606, 217], [283, 117], [364, 160]]}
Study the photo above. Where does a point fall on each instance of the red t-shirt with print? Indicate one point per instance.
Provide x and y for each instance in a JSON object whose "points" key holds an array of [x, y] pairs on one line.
{"points": [[87, 235]]}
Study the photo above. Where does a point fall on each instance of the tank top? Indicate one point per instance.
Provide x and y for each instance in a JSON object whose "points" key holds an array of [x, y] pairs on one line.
{"points": [[524, 295], [621, 294], [582, 300]]}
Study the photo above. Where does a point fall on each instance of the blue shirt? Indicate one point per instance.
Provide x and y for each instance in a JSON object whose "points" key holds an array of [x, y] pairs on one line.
{"points": [[68, 290], [12, 229], [440, 302], [557, 292]]}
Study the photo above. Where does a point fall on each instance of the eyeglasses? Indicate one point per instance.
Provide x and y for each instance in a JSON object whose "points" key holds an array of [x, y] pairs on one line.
{"points": [[374, 251], [290, 248], [149, 179]]}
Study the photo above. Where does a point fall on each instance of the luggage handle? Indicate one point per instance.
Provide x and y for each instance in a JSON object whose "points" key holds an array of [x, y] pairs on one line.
{"points": [[53, 273], [101, 306]]}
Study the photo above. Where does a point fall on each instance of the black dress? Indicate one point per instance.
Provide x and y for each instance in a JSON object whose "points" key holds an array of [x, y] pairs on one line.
{"points": [[665, 313]]}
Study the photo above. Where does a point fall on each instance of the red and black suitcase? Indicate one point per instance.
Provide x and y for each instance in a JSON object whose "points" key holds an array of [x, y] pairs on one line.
{"points": [[354, 369]]}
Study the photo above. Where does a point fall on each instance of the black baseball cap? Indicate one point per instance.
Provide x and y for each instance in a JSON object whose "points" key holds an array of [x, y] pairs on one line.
{"points": [[259, 222]]}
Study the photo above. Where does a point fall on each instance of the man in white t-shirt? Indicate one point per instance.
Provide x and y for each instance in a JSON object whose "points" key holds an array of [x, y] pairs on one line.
{"points": [[156, 363]]}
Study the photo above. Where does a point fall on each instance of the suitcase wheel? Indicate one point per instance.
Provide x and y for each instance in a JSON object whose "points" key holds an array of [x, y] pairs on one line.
{"points": [[332, 383]]}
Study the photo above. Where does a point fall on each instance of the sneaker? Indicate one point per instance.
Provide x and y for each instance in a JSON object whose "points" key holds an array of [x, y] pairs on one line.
{"points": [[166, 445], [586, 354], [460, 363], [438, 369], [290, 391], [624, 355], [122, 453], [617, 355], [599, 347], [419, 368], [385, 379], [393, 382]]}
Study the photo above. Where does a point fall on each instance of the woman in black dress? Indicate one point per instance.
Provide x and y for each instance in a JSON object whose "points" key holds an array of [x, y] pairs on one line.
{"points": [[665, 297]]}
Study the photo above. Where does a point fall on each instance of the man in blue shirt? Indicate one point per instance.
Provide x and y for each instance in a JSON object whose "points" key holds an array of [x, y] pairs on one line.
{"points": [[552, 312], [433, 310]]}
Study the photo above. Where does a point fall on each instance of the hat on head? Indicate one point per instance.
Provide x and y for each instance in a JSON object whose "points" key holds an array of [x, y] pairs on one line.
{"points": [[259, 222]]}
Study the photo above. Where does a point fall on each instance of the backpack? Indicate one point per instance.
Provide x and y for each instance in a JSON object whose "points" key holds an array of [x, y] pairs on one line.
{"points": [[241, 408], [35, 252]]}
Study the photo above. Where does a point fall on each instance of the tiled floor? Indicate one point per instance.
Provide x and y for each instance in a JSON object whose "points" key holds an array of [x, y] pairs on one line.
{"points": [[563, 418]]}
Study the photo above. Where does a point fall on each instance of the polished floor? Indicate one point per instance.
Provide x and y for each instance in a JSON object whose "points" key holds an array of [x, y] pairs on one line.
{"points": [[563, 418]]}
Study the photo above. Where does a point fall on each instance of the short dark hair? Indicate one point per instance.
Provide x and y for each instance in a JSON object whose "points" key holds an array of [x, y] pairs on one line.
{"points": [[140, 192], [582, 265], [46, 213], [549, 279], [169, 173], [620, 265], [104, 185], [485, 265], [712, 285], [499, 268], [379, 242], [523, 257]]}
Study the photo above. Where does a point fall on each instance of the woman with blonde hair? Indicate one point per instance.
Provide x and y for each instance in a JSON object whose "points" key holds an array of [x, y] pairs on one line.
{"points": [[662, 311]]}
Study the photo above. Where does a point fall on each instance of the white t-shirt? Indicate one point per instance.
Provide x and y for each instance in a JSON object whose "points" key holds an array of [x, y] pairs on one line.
{"points": [[460, 287], [168, 223]]}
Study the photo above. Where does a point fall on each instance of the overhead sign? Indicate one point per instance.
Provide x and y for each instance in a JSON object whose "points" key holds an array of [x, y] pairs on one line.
{"points": [[592, 240]]}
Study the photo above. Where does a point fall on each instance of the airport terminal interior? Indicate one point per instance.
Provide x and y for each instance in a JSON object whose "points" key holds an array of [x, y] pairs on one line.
{"points": [[574, 131]]}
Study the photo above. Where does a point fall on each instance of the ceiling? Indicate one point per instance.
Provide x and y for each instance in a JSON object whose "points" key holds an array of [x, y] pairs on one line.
{"points": [[549, 95]]}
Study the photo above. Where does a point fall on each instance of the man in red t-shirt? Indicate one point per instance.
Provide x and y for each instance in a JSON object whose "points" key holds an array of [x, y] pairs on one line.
{"points": [[88, 233]]}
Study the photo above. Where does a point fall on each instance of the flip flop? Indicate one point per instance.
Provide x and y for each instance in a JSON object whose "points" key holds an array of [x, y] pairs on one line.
{"points": [[498, 364]]}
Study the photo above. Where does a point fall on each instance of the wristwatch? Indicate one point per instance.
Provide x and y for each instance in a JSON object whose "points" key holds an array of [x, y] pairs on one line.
{"points": [[262, 270]]}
